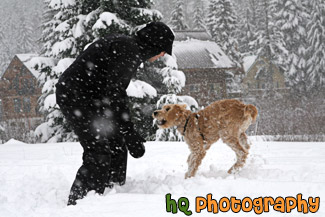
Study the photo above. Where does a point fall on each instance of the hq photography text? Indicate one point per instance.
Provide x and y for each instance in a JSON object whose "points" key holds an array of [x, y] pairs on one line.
{"points": [[258, 205]]}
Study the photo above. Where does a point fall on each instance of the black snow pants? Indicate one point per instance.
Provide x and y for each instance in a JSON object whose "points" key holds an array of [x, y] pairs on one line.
{"points": [[105, 153]]}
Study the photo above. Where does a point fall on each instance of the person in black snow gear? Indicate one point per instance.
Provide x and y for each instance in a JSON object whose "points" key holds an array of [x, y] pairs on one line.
{"points": [[92, 96]]}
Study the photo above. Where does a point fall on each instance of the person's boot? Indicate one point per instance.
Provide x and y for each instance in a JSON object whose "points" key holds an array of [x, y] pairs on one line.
{"points": [[94, 174], [79, 188], [100, 171]]}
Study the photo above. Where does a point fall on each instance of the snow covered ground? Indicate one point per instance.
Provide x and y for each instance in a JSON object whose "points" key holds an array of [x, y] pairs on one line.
{"points": [[35, 179]]}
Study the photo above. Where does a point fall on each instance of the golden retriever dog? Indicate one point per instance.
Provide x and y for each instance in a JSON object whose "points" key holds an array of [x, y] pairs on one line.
{"points": [[226, 119]]}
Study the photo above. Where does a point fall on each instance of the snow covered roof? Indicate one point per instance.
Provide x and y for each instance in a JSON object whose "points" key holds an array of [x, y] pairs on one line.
{"points": [[32, 60], [26, 60], [194, 34], [248, 62], [195, 53]]}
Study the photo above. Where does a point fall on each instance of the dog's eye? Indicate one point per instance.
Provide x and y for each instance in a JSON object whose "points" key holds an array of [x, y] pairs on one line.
{"points": [[167, 109]]}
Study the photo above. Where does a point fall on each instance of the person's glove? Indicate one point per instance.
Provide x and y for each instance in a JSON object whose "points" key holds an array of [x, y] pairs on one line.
{"points": [[134, 142]]}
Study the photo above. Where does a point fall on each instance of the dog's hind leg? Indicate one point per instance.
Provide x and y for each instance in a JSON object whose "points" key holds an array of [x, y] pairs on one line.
{"points": [[194, 161], [240, 151]]}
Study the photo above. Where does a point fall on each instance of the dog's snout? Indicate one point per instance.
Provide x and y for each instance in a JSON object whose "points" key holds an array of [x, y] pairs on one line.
{"points": [[155, 113]]}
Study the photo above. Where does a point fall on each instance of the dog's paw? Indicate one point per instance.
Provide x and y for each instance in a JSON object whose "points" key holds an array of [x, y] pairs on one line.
{"points": [[187, 175], [233, 170]]}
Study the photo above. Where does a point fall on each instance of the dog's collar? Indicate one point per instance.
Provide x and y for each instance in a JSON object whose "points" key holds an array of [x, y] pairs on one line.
{"points": [[186, 122]]}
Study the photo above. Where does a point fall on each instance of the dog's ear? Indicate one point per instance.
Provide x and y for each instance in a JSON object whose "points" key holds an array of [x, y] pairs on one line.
{"points": [[180, 107], [184, 106]]}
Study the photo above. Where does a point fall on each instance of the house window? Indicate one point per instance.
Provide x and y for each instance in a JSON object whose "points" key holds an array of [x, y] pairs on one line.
{"points": [[28, 86], [37, 111], [214, 88], [17, 105], [16, 68], [258, 85], [194, 88], [23, 71], [260, 62], [27, 105], [15, 83], [263, 85], [248, 85]]}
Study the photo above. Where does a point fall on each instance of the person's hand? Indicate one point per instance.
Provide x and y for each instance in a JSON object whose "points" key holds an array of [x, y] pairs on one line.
{"points": [[135, 144]]}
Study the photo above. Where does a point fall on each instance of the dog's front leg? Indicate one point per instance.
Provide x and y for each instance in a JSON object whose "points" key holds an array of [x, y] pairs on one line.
{"points": [[194, 160], [243, 140]]}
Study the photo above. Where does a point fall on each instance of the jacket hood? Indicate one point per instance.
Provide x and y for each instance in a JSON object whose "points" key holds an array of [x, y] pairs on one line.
{"points": [[155, 38]]}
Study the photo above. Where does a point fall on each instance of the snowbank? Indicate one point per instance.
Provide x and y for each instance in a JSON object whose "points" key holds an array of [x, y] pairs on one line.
{"points": [[14, 142], [35, 180]]}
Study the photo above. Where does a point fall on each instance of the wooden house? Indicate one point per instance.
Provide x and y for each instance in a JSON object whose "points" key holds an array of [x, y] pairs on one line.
{"points": [[204, 64], [19, 92], [260, 75]]}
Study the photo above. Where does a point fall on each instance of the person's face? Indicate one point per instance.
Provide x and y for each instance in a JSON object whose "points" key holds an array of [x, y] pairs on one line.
{"points": [[152, 59]]}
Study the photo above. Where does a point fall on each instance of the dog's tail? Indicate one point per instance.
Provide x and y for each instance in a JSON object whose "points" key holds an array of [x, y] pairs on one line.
{"points": [[252, 111]]}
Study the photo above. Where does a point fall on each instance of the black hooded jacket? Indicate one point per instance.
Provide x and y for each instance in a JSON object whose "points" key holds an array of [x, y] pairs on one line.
{"points": [[104, 70], [101, 74]]}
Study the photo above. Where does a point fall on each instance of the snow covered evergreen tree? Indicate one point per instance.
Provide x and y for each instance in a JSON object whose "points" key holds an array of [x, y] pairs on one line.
{"points": [[174, 81], [212, 17], [143, 97], [18, 29], [252, 17], [198, 21], [25, 40], [246, 33], [177, 21], [316, 40], [270, 41], [222, 24], [71, 27], [9, 33], [3, 48], [291, 18]]}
